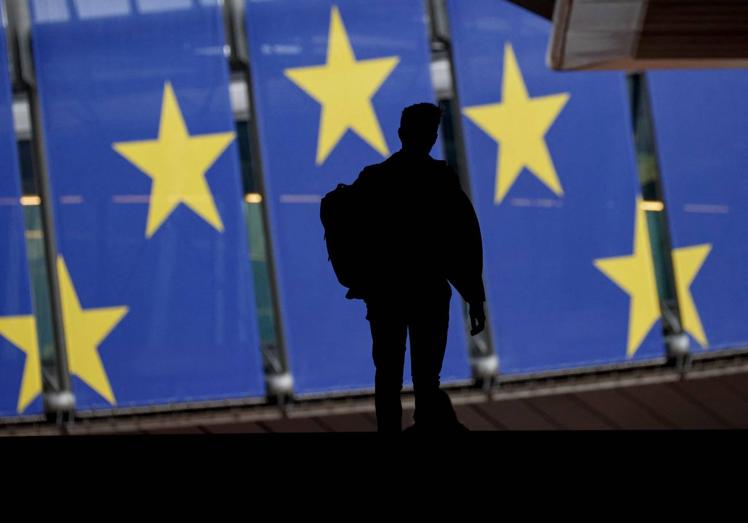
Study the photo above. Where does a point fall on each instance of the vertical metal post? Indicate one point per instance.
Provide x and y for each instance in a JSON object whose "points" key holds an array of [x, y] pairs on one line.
{"points": [[676, 340], [279, 381], [484, 361], [59, 401]]}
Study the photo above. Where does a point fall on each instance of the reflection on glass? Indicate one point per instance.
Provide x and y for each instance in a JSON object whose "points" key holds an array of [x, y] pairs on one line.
{"points": [[253, 214], [649, 179], [48, 11], [101, 9], [158, 6]]}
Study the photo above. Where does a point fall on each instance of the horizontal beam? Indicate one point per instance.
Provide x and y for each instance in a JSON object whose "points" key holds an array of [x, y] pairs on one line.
{"points": [[508, 391]]}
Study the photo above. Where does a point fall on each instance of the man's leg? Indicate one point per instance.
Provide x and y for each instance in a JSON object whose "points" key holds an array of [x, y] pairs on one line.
{"points": [[388, 332], [428, 342]]}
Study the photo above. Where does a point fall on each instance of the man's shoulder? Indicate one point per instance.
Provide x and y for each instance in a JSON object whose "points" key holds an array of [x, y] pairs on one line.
{"points": [[374, 172], [385, 164], [394, 164], [388, 163], [368, 175], [373, 168]]}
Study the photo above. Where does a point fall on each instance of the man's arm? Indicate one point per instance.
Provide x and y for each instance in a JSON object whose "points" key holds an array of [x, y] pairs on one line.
{"points": [[467, 261]]}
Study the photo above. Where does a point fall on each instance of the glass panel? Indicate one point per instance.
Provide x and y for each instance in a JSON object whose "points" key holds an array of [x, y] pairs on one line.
{"points": [[569, 270], [700, 121], [328, 340], [156, 290], [20, 372]]}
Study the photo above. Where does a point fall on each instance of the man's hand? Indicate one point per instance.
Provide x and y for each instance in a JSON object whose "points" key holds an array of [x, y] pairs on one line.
{"points": [[477, 318]]}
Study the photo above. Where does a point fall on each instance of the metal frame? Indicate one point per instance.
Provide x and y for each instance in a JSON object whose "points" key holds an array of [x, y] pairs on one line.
{"points": [[27, 124], [676, 340], [484, 358], [10, 43], [705, 366], [59, 401], [279, 383]]}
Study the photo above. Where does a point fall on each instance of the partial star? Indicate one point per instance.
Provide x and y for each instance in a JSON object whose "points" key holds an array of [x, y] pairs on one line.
{"points": [[85, 330], [177, 163], [21, 332], [687, 263], [635, 275], [344, 88], [519, 124]]}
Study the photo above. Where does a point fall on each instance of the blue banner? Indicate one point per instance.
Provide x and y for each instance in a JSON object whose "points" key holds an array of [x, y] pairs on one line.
{"points": [[330, 80], [20, 370], [701, 121], [568, 264], [154, 267]]}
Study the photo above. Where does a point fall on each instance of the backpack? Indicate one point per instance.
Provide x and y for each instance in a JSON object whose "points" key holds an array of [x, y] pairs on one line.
{"points": [[341, 213]]}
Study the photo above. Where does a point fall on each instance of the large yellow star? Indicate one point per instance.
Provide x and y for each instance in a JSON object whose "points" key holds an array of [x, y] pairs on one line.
{"points": [[177, 164], [687, 262], [344, 87], [519, 124], [21, 332], [635, 275], [85, 329]]}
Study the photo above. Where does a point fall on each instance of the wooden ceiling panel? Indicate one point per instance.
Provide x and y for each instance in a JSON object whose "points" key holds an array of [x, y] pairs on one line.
{"points": [[648, 34]]}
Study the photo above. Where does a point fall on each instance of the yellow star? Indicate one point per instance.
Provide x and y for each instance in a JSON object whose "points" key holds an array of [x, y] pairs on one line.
{"points": [[344, 87], [84, 332], [635, 275], [687, 262], [177, 163], [21, 332], [519, 124]]}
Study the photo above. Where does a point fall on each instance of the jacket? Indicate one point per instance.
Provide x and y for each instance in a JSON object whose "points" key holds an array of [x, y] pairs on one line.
{"points": [[421, 228]]}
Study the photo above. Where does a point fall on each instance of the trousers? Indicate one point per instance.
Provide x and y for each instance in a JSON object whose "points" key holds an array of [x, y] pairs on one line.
{"points": [[425, 320]]}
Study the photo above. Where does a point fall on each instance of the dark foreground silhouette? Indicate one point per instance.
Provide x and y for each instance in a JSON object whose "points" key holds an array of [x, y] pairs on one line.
{"points": [[397, 238]]}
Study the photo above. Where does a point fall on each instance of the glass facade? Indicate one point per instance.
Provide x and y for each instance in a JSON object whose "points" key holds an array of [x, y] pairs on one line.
{"points": [[254, 209]]}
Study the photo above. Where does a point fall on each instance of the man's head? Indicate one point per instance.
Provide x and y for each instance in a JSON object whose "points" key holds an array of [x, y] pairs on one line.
{"points": [[418, 127]]}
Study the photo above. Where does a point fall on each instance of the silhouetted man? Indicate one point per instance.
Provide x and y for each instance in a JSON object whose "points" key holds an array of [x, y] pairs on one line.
{"points": [[422, 234]]}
